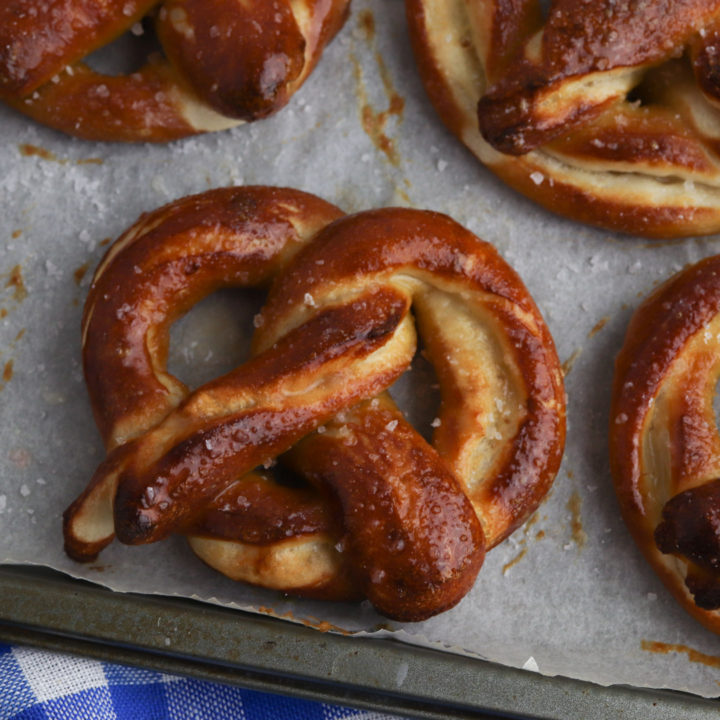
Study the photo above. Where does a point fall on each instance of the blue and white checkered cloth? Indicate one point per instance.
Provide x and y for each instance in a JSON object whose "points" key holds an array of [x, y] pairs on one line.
{"points": [[38, 685]]}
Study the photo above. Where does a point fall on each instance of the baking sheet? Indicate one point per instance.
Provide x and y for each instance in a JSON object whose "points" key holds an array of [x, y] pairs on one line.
{"points": [[568, 594]]}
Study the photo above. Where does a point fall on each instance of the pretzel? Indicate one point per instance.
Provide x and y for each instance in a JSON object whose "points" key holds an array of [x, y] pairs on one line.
{"points": [[385, 515], [227, 62], [605, 113], [664, 441]]}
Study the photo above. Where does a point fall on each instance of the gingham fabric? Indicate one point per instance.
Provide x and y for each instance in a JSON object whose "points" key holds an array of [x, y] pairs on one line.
{"points": [[37, 685]]}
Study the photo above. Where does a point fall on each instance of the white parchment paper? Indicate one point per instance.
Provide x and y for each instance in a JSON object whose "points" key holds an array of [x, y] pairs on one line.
{"points": [[570, 589]]}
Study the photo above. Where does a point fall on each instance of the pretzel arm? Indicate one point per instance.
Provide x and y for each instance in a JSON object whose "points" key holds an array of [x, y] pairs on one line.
{"points": [[262, 533], [585, 59], [39, 40], [409, 532], [169, 260], [231, 425], [267, 48]]}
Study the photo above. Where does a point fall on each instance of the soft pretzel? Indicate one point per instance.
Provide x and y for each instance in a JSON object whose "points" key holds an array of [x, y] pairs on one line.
{"points": [[227, 62], [386, 515], [664, 441], [605, 112]]}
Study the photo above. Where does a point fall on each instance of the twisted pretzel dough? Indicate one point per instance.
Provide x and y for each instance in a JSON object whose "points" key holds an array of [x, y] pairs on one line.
{"points": [[228, 62], [388, 517], [664, 441], [606, 112]]}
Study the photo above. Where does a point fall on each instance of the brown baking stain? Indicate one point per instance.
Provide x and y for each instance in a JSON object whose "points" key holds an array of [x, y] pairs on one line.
{"points": [[515, 560], [75, 302], [28, 150], [321, 625], [105, 242], [16, 234], [374, 123], [15, 280], [367, 24], [540, 535], [600, 325], [568, 364], [573, 505], [324, 626], [98, 568], [8, 371], [693, 655], [3, 313], [79, 274], [405, 197], [34, 150], [19, 335]]}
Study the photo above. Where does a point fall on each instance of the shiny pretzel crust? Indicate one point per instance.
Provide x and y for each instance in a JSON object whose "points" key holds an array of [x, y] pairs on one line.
{"points": [[593, 155], [228, 62], [390, 517], [663, 436]]}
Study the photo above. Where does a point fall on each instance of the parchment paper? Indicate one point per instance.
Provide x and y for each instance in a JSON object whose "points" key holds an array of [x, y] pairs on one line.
{"points": [[568, 594]]}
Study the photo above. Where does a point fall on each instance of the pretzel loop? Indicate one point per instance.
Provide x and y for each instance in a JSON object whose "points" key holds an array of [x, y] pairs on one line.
{"points": [[603, 112], [228, 62], [389, 518], [664, 441]]}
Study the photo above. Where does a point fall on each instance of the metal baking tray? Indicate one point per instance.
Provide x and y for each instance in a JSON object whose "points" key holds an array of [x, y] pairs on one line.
{"points": [[47, 609]]}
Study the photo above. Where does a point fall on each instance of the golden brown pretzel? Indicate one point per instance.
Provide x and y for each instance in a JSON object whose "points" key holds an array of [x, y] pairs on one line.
{"points": [[594, 113], [390, 517], [227, 62], [664, 441]]}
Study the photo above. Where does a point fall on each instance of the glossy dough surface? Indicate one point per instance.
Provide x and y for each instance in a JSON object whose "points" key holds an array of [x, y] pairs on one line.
{"points": [[604, 112], [664, 440], [384, 514], [227, 62]]}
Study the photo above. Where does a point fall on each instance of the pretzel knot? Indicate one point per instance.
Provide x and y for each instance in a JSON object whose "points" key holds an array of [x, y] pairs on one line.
{"points": [[664, 441], [227, 62], [385, 514], [605, 112]]}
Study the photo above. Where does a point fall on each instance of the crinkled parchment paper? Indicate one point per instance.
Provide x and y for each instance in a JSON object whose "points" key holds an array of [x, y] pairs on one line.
{"points": [[569, 589]]}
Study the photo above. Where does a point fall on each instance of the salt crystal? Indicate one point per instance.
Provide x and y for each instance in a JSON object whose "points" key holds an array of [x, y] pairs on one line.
{"points": [[258, 320], [391, 425], [322, 429], [137, 29], [24, 490], [436, 423], [309, 300], [208, 445], [652, 596], [621, 418], [442, 164], [537, 178], [40, 481]]}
